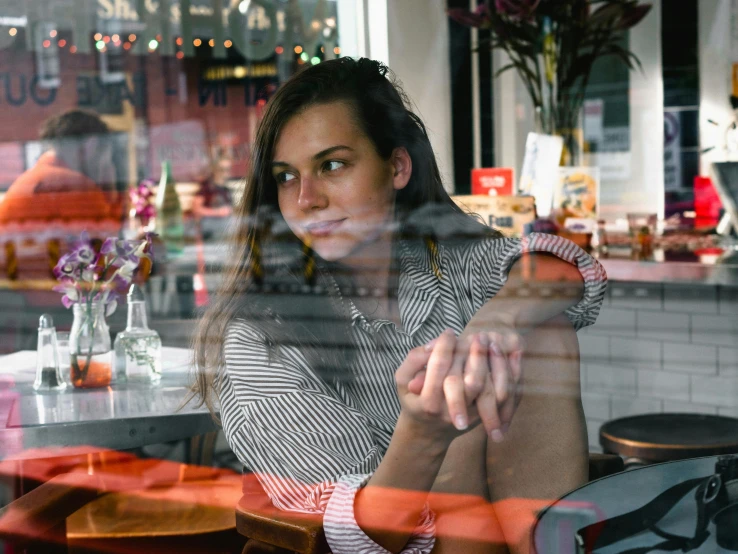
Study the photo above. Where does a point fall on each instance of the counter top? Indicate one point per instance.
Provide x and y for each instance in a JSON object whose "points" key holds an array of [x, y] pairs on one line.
{"points": [[706, 269]]}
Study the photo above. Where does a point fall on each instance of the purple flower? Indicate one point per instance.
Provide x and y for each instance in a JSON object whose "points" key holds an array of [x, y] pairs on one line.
{"points": [[477, 18], [516, 9], [122, 250], [149, 238], [83, 251], [121, 282], [109, 298], [71, 293], [65, 268]]}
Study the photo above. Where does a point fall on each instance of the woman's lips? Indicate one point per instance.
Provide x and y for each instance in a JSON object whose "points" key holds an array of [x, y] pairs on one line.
{"points": [[324, 228]]}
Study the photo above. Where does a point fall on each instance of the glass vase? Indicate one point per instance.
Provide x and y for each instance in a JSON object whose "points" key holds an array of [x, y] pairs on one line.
{"points": [[90, 351], [563, 119]]}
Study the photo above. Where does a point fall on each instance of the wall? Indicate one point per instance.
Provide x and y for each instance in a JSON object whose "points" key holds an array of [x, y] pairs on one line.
{"points": [[417, 34], [716, 54], [660, 348]]}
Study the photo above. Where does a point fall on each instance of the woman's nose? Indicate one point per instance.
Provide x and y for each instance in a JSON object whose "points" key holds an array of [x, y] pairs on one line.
{"points": [[312, 196]]}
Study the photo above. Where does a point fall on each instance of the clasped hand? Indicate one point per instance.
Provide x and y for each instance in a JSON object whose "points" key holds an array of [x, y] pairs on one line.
{"points": [[461, 381]]}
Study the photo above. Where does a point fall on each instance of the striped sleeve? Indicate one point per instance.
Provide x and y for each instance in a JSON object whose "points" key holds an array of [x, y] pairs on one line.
{"points": [[310, 451], [496, 256]]}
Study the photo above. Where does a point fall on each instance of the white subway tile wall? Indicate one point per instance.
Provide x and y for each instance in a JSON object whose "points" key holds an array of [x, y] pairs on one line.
{"points": [[660, 348]]}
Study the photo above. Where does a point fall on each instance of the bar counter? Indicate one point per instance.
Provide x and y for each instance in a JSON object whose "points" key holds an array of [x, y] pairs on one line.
{"points": [[666, 339], [709, 269]]}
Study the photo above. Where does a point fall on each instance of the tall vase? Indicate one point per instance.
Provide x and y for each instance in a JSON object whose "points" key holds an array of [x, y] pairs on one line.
{"points": [[90, 350], [562, 117]]}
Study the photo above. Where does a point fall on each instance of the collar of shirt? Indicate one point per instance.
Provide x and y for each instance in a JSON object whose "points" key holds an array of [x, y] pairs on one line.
{"points": [[419, 288]]}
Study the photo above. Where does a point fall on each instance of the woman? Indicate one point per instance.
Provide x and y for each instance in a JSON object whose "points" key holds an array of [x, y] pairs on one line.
{"points": [[212, 206], [367, 326]]}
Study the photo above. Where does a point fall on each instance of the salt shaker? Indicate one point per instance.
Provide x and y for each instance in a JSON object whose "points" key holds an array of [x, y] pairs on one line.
{"points": [[48, 373]]}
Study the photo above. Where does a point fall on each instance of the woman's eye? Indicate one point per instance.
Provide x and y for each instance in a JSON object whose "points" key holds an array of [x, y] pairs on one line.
{"points": [[333, 165], [284, 177]]}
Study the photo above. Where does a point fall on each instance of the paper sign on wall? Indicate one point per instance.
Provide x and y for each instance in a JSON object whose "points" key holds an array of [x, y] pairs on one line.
{"points": [[507, 214], [577, 193], [540, 173], [493, 181]]}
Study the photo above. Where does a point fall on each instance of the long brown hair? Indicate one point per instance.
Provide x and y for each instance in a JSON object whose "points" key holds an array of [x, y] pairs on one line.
{"points": [[270, 265]]}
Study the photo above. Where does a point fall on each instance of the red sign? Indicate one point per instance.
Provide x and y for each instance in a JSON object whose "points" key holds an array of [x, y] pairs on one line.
{"points": [[493, 181], [707, 203]]}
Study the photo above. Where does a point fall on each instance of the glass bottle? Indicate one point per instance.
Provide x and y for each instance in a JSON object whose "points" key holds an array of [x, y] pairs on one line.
{"points": [[89, 346], [138, 348], [169, 222], [48, 373]]}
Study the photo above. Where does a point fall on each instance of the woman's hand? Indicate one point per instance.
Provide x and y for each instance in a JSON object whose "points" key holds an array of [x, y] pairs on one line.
{"points": [[485, 374], [437, 402]]}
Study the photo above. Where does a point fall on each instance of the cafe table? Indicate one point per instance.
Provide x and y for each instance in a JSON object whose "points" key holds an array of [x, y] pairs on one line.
{"points": [[119, 417], [621, 493]]}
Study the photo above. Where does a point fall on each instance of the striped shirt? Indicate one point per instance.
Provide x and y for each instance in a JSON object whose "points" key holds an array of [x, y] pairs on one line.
{"points": [[313, 445]]}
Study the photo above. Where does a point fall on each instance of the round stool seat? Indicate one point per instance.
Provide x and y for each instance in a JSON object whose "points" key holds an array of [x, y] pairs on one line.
{"points": [[665, 437], [190, 508]]}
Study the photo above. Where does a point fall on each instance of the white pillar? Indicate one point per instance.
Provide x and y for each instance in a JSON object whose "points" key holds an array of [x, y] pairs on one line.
{"points": [[716, 55], [351, 28], [644, 191], [417, 49]]}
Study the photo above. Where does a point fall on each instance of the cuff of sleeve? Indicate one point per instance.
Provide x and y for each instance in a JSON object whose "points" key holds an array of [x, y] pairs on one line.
{"points": [[344, 535], [595, 278]]}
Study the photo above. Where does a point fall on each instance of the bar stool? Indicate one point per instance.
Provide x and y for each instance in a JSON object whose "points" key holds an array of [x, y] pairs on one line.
{"points": [[652, 438]]}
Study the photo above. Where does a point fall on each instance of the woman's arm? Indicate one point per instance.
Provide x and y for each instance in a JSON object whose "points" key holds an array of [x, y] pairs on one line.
{"points": [[267, 407], [390, 506], [544, 454], [539, 287]]}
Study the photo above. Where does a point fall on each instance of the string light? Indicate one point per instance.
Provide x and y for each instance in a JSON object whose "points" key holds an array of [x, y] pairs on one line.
{"points": [[228, 44], [298, 49], [132, 37], [304, 56], [153, 44], [100, 45], [52, 33], [72, 49], [211, 42], [62, 43], [179, 41], [106, 39], [336, 50], [197, 42], [315, 60], [12, 31], [116, 38], [180, 55], [126, 46], [279, 50], [98, 37], [47, 43]]}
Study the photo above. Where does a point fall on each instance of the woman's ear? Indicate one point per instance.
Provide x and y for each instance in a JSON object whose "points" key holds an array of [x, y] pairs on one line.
{"points": [[402, 165]]}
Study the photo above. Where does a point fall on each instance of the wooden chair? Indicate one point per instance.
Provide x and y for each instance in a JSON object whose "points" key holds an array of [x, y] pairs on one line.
{"points": [[273, 531], [109, 501], [115, 502]]}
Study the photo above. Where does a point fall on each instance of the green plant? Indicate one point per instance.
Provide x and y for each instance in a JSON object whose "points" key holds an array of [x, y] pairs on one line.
{"points": [[553, 45]]}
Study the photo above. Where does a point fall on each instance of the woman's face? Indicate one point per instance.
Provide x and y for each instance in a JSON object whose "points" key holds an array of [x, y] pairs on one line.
{"points": [[335, 192]]}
